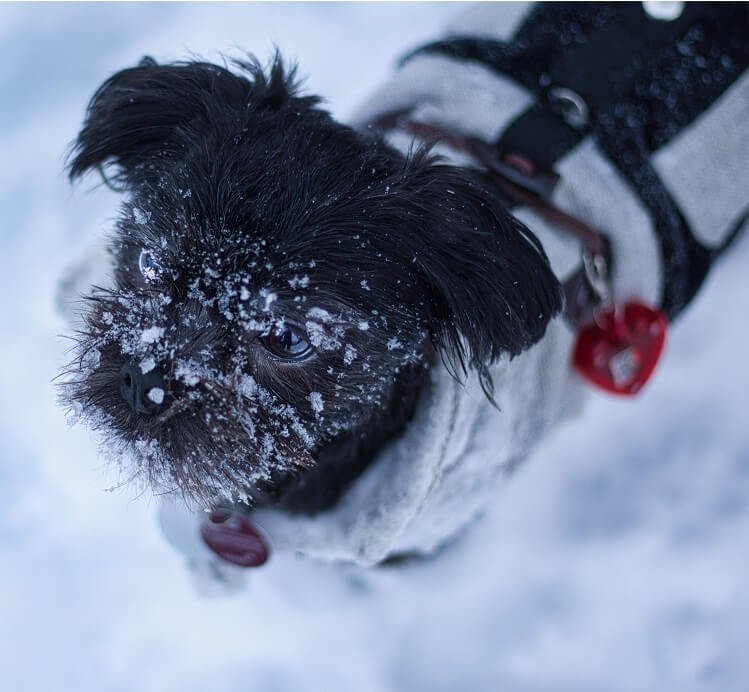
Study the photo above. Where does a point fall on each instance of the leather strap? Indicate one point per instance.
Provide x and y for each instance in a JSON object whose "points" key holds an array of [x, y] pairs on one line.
{"points": [[525, 183]]}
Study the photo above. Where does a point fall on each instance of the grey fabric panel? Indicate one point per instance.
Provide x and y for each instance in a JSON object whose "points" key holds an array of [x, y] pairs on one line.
{"points": [[467, 97], [592, 188], [706, 167]]}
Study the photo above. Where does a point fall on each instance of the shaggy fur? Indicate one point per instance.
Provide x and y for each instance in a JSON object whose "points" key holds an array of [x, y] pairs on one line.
{"points": [[252, 218]]}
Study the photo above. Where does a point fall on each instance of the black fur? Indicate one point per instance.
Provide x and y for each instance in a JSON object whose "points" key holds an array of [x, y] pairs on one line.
{"points": [[263, 211]]}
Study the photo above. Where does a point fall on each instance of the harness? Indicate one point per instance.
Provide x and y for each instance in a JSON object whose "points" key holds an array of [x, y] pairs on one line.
{"points": [[610, 72]]}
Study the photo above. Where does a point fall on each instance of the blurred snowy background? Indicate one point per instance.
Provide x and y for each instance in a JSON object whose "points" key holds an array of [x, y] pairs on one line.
{"points": [[617, 559]]}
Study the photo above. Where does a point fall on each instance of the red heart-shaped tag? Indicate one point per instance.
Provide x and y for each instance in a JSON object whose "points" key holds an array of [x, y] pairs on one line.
{"points": [[619, 352], [234, 538]]}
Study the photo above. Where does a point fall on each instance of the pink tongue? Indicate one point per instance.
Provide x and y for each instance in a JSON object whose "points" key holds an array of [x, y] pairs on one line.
{"points": [[234, 538]]}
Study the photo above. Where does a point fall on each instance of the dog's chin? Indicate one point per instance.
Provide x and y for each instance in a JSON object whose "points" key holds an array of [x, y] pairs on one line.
{"points": [[205, 444]]}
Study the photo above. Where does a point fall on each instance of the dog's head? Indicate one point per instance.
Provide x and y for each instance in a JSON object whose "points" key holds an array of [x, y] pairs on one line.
{"points": [[276, 273]]}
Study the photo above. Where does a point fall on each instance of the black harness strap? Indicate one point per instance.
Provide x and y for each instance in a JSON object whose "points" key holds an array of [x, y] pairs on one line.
{"points": [[637, 81]]}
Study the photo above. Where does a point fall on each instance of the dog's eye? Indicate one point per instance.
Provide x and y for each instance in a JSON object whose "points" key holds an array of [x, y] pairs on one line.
{"points": [[149, 266], [288, 342]]}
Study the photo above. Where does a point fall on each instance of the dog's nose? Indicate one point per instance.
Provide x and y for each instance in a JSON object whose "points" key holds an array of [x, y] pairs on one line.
{"points": [[144, 392]]}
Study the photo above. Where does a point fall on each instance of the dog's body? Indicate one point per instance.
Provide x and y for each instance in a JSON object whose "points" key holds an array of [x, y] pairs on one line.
{"points": [[362, 444]]}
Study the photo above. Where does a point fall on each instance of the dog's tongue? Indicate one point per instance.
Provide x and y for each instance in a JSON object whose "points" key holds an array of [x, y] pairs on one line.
{"points": [[234, 538]]}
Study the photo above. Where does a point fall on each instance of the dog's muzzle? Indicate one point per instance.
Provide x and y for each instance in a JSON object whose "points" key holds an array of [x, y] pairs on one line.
{"points": [[145, 393]]}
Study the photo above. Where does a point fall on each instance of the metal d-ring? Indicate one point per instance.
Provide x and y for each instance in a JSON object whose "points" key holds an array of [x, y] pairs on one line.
{"points": [[597, 276], [571, 106]]}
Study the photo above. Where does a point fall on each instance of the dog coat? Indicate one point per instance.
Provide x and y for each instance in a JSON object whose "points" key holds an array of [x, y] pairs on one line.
{"points": [[644, 113]]}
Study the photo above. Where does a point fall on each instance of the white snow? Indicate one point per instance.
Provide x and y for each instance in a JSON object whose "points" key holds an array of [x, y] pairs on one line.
{"points": [[269, 297], [316, 402], [147, 364], [349, 354], [299, 281], [156, 395], [616, 559], [247, 386], [141, 217], [319, 337], [319, 314], [151, 335], [187, 372]]}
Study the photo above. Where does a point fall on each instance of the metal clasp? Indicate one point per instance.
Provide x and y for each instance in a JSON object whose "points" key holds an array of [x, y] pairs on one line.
{"points": [[596, 270]]}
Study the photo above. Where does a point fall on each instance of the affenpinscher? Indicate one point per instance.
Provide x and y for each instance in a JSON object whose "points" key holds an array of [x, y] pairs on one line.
{"points": [[290, 294]]}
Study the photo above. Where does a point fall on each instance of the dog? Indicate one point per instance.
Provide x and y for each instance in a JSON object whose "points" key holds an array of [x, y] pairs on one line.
{"points": [[350, 336]]}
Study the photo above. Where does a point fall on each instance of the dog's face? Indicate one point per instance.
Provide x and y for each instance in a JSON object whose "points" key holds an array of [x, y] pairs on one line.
{"points": [[278, 276]]}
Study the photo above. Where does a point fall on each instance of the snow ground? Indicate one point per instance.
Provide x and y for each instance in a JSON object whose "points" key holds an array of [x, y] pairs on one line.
{"points": [[615, 560]]}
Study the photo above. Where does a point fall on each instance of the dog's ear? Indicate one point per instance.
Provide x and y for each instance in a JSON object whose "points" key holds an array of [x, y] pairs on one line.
{"points": [[490, 285], [146, 112]]}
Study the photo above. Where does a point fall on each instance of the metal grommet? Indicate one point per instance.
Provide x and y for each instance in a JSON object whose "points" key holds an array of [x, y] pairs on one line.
{"points": [[570, 105], [664, 10]]}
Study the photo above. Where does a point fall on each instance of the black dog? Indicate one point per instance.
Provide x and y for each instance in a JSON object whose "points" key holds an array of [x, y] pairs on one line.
{"points": [[282, 284], [286, 287]]}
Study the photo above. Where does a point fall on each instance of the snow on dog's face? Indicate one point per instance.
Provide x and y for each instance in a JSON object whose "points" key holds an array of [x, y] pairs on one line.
{"points": [[276, 273]]}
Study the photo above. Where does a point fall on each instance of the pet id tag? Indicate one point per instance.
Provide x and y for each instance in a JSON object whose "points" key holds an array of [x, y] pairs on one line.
{"points": [[620, 350], [234, 538]]}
